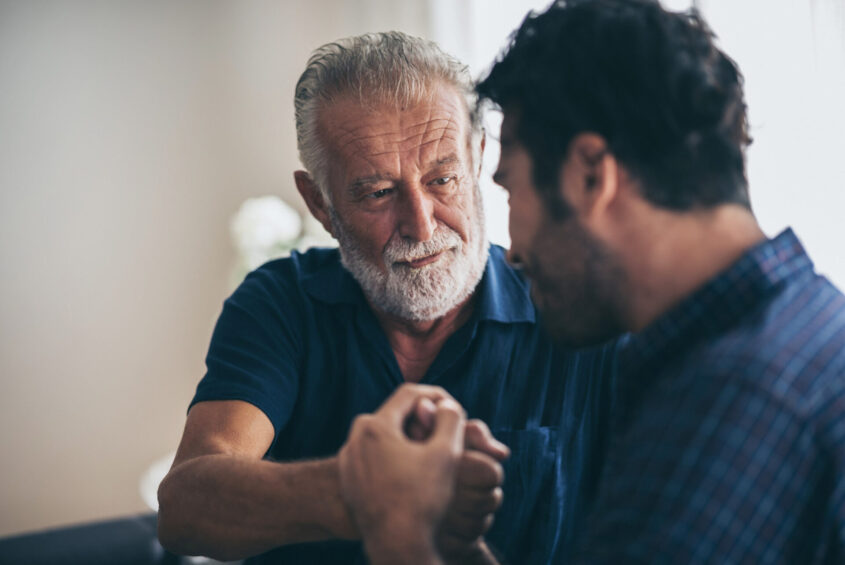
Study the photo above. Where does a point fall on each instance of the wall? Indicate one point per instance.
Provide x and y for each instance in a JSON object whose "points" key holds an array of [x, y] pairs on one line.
{"points": [[793, 59], [130, 132]]}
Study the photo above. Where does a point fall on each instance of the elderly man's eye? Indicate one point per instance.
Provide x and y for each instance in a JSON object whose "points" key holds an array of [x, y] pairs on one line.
{"points": [[442, 180], [380, 193]]}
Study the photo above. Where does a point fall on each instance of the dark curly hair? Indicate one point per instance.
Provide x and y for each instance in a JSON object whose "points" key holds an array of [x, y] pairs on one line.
{"points": [[651, 82]]}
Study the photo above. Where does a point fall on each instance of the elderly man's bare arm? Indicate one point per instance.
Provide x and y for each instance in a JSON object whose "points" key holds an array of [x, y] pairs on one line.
{"points": [[220, 499]]}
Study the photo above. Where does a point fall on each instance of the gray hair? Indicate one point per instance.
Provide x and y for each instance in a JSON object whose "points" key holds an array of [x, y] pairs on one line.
{"points": [[375, 68]]}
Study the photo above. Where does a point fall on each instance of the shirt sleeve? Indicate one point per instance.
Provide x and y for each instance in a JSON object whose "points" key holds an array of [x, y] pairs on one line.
{"points": [[254, 355], [720, 473]]}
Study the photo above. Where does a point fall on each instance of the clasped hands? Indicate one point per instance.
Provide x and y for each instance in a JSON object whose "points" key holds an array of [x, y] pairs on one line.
{"points": [[416, 475]]}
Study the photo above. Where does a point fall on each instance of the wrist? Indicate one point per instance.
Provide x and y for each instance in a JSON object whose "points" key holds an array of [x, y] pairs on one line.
{"points": [[342, 523]]}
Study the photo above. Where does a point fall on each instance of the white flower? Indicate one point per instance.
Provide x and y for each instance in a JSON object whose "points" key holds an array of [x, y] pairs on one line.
{"points": [[314, 235], [263, 225]]}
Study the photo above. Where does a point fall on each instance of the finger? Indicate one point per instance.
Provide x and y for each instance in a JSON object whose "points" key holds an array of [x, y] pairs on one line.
{"points": [[421, 422], [449, 424], [479, 438], [426, 409], [479, 471], [477, 502], [401, 403]]}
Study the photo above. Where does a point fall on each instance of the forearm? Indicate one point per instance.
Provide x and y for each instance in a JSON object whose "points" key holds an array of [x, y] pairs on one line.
{"points": [[230, 508]]}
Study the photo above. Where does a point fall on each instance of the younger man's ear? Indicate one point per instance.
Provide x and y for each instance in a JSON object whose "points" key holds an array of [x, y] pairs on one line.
{"points": [[588, 178], [314, 199]]}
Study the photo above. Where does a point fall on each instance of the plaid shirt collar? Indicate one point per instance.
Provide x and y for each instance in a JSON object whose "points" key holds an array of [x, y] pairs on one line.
{"points": [[716, 306]]}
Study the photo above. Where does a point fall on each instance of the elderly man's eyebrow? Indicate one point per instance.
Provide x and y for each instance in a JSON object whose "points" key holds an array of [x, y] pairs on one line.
{"points": [[359, 185], [447, 160], [363, 181], [360, 182]]}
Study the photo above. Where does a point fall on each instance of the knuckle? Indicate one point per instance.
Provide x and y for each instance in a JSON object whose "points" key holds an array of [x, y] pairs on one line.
{"points": [[498, 497], [363, 424], [445, 458], [488, 522], [452, 407], [472, 435], [478, 427], [361, 421], [493, 500], [498, 473]]}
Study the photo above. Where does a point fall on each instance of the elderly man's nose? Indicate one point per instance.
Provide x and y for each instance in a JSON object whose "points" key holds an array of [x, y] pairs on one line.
{"points": [[416, 217]]}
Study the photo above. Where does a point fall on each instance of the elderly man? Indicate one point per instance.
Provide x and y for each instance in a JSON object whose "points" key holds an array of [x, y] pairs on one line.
{"points": [[623, 146], [392, 146]]}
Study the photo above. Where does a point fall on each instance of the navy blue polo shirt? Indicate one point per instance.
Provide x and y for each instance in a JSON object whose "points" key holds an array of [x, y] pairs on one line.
{"points": [[298, 340]]}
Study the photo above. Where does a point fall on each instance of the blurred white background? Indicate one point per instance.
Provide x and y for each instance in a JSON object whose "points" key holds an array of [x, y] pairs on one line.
{"points": [[130, 133]]}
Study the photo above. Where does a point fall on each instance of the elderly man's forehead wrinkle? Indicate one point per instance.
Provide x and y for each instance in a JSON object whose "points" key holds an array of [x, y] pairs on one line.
{"points": [[377, 145], [429, 134], [416, 142], [450, 132], [346, 140]]}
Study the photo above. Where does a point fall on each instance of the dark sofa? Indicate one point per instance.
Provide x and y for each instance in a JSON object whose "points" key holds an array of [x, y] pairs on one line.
{"points": [[122, 541]]}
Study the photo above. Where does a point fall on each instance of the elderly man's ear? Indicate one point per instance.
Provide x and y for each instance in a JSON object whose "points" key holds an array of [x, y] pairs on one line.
{"points": [[481, 153], [313, 199]]}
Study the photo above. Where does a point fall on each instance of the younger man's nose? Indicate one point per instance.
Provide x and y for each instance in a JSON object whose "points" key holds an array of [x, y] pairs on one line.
{"points": [[513, 258]]}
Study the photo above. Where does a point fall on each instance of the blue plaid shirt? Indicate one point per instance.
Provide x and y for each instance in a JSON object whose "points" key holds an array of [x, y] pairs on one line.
{"points": [[727, 443]]}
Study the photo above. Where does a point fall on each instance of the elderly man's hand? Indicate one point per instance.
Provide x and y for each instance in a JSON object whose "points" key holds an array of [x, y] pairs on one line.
{"points": [[478, 492], [398, 489]]}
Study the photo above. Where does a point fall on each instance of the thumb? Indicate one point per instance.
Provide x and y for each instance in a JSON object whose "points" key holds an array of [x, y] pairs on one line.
{"points": [[479, 438]]}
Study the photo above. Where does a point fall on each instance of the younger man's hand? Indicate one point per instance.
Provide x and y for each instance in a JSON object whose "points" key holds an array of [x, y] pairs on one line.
{"points": [[398, 489]]}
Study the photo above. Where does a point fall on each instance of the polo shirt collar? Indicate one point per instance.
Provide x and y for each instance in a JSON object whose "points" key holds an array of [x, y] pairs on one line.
{"points": [[502, 293], [332, 283]]}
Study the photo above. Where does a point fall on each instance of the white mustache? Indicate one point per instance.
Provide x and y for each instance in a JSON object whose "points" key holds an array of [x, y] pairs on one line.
{"points": [[404, 251]]}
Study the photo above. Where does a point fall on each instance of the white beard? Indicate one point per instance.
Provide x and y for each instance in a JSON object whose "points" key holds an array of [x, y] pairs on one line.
{"points": [[422, 293]]}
